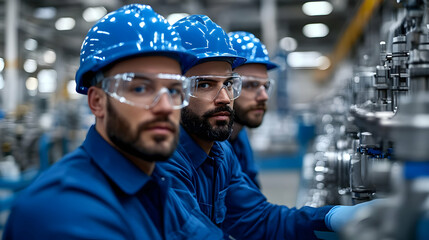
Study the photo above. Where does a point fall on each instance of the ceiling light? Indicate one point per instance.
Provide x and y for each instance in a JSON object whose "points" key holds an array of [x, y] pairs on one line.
{"points": [[71, 90], [315, 30], [1, 81], [30, 65], [317, 8], [303, 59], [49, 56], [31, 83], [93, 14], [174, 17], [65, 23], [1, 64], [45, 13], [30, 44], [288, 44], [323, 62], [47, 80]]}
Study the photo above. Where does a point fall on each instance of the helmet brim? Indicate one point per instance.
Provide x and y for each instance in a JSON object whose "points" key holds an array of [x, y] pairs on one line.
{"points": [[206, 57]]}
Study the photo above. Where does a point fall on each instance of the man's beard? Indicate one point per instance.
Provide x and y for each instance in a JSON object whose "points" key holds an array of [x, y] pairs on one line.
{"points": [[201, 127], [241, 116], [128, 141]]}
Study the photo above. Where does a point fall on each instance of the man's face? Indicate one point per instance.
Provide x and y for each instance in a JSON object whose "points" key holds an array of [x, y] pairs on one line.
{"points": [[250, 107], [149, 134], [210, 120]]}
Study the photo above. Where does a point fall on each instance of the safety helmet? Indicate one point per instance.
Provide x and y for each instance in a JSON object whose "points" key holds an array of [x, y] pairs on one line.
{"points": [[250, 47], [131, 30], [207, 40]]}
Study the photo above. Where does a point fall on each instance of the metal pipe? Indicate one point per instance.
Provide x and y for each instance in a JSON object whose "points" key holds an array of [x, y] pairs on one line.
{"points": [[268, 24], [10, 91]]}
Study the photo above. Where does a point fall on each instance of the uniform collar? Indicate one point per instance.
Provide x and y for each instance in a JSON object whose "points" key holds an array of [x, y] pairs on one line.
{"points": [[243, 133], [119, 169], [241, 136], [196, 154]]}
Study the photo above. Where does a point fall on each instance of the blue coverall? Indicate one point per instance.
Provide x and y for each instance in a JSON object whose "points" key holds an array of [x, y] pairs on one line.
{"points": [[243, 151], [96, 193], [227, 197]]}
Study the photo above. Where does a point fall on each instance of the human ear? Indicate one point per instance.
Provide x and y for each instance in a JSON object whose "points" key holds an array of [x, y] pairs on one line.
{"points": [[97, 101]]}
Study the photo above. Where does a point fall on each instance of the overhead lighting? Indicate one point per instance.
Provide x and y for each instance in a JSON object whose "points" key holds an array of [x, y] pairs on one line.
{"points": [[311, 59], [65, 23], [1, 81], [317, 8], [45, 13], [1, 64], [30, 44], [315, 30], [47, 80], [323, 62], [288, 44], [31, 84], [93, 14], [30, 65], [71, 90], [49, 56], [174, 17]]}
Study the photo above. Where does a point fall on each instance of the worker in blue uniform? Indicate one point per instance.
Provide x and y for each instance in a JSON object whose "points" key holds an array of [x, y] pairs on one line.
{"points": [[250, 107], [110, 187], [204, 164]]}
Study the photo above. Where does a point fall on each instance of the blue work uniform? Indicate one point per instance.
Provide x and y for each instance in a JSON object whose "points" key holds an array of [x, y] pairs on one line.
{"points": [[244, 153], [226, 195], [96, 193]]}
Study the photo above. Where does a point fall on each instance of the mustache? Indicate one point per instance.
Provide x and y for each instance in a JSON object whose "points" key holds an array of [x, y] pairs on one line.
{"points": [[262, 106], [219, 109], [163, 120]]}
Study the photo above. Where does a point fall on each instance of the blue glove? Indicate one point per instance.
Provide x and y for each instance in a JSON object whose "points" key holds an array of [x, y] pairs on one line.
{"points": [[339, 216]]}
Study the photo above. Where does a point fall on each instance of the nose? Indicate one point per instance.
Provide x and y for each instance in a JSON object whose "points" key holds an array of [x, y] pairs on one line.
{"points": [[262, 94], [164, 105], [222, 97]]}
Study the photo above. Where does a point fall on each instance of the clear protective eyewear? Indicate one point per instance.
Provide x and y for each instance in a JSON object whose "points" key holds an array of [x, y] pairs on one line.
{"points": [[256, 84], [209, 86], [145, 90]]}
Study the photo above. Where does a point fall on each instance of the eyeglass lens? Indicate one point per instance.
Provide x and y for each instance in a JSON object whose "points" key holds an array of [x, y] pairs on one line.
{"points": [[209, 87], [146, 92], [256, 86]]}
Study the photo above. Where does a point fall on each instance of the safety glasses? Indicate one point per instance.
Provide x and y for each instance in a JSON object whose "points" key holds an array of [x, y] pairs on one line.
{"points": [[209, 86], [145, 90], [255, 85]]}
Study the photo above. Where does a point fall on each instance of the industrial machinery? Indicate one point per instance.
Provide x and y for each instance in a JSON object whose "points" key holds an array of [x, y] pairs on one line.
{"points": [[373, 139]]}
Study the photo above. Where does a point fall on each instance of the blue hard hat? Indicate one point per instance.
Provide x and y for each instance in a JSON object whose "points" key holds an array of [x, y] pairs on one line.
{"points": [[129, 31], [251, 48], [207, 40]]}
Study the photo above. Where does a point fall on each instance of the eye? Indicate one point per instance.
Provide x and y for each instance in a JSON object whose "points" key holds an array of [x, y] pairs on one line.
{"points": [[267, 85], [139, 89], [228, 83], [175, 91], [203, 84], [250, 84]]}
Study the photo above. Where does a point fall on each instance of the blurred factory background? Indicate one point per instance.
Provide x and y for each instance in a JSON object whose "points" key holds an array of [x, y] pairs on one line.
{"points": [[347, 122]]}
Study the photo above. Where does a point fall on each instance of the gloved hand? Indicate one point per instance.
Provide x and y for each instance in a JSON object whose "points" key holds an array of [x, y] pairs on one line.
{"points": [[339, 216]]}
